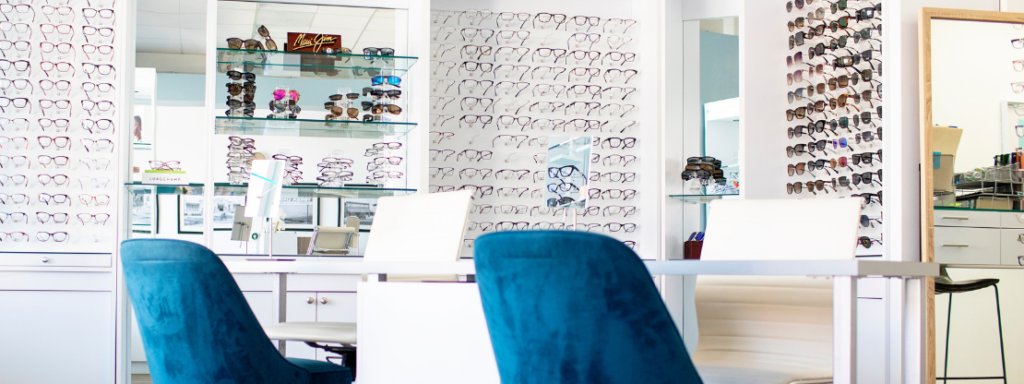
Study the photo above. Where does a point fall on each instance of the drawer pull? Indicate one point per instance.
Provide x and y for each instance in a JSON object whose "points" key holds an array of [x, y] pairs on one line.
{"points": [[310, 300], [1020, 260], [323, 300], [955, 218], [955, 245], [45, 260], [1020, 218]]}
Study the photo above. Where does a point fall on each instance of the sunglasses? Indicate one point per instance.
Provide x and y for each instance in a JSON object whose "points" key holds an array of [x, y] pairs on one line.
{"points": [[250, 44], [392, 80]]}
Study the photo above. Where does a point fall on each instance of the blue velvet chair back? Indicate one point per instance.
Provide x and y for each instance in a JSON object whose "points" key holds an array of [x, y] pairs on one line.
{"points": [[575, 307], [195, 323]]}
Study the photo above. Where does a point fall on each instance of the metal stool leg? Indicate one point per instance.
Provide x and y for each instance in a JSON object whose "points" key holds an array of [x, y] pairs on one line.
{"points": [[999, 318], [949, 315]]}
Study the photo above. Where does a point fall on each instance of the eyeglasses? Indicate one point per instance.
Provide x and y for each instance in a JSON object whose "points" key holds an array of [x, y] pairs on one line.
{"points": [[483, 190], [13, 217], [627, 194], [15, 180], [16, 237], [55, 199], [23, 48], [95, 164], [15, 199], [57, 161], [20, 67], [14, 142], [615, 177], [17, 124], [172, 165], [58, 218], [18, 28], [57, 237], [93, 182], [17, 161], [509, 17], [97, 145], [97, 200], [100, 218], [59, 11], [56, 141], [19, 9], [59, 125], [57, 180], [102, 69]]}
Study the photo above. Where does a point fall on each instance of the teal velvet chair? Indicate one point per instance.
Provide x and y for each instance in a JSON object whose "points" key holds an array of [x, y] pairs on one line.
{"points": [[197, 326], [575, 307]]}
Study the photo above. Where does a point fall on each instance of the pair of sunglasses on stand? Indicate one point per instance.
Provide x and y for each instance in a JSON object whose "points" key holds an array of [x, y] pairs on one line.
{"points": [[379, 93], [337, 111], [378, 109], [253, 44]]}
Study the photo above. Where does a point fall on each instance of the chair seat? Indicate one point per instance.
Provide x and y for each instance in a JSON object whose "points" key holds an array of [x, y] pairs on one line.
{"points": [[950, 286], [713, 374], [323, 373], [323, 332]]}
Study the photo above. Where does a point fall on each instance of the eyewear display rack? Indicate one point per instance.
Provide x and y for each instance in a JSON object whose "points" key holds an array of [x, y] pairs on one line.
{"points": [[65, 87], [315, 76], [506, 80], [306, 73]]}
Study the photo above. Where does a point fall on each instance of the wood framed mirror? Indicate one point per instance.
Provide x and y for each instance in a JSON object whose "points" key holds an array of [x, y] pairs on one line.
{"points": [[972, 124]]}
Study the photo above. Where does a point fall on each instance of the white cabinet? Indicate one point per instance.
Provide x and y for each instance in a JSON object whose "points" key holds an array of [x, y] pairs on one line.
{"points": [[301, 307], [976, 237], [56, 337]]}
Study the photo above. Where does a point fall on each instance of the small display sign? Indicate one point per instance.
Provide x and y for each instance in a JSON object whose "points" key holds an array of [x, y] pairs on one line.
{"points": [[165, 177], [310, 42]]}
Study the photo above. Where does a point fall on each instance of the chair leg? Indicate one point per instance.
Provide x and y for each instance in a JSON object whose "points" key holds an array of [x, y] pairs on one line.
{"points": [[999, 318], [949, 315]]}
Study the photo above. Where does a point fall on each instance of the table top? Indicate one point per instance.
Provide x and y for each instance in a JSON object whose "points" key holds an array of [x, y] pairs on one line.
{"points": [[355, 266]]}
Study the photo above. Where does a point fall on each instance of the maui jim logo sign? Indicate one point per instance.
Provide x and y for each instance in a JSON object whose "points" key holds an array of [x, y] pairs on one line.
{"points": [[313, 43]]}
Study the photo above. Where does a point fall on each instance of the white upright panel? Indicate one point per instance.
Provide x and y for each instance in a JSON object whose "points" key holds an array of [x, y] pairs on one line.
{"points": [[423, 333]]}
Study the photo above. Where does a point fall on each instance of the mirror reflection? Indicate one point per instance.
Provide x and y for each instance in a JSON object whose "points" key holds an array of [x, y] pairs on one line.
{"points": [[566, 183]]}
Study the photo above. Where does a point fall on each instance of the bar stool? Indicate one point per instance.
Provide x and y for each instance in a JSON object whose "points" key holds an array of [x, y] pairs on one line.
{"points": [[943, 284]]}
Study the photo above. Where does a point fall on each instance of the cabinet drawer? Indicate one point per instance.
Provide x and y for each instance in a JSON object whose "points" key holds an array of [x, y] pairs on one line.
{"points": [[1010, 246], [967, 245], [56, 260], [1012, 219], [964, 218]]}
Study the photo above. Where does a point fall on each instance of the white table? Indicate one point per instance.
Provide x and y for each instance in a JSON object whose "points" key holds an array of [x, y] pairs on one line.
{"points": [[843, 272]]}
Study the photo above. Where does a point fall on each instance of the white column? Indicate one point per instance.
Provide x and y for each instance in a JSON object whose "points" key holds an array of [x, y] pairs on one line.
{"points": [[844, 330]]}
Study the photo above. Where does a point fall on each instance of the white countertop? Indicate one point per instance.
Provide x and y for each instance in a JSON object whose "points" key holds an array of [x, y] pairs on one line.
{"points": [[355, 266]]}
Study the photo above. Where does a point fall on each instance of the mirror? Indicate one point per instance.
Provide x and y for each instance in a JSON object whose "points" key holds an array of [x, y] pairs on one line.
{"points": [[972, 112], [566, 184]]}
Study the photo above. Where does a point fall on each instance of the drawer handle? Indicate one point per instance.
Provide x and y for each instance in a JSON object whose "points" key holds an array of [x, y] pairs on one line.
{"points": [[955, 218], [1020, 218], [1020, 260], [45, 260], [955, 245], [310, 300], [323, 300]]}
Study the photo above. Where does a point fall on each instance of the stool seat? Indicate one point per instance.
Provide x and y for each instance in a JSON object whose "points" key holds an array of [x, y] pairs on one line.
{"points": [[325, 332], [946, 285]]}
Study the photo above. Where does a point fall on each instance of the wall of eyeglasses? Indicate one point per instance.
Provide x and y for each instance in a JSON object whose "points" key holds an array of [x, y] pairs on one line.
{"points": [[58, 130], [834, 146], [502, 83]]}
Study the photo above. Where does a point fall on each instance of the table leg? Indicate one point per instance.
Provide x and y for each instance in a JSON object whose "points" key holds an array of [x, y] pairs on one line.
{"points": [[844, 329], [279, 292]]}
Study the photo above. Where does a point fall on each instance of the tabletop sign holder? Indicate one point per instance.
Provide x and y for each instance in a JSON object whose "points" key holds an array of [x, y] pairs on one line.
{"points": [[263, 198]]}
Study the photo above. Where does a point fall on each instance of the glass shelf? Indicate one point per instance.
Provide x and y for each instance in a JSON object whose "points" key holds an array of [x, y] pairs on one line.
{"points": [[297, 190], [312, 65], [310, 128], [700, 199]]}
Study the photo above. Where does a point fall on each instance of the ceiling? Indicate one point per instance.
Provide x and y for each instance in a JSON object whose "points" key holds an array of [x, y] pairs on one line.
{"points": [[179, 26]]}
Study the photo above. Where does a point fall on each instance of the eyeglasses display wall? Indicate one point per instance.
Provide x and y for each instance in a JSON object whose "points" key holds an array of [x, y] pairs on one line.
{"points": [[502, 84], [59, 125], [835, 108]]}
